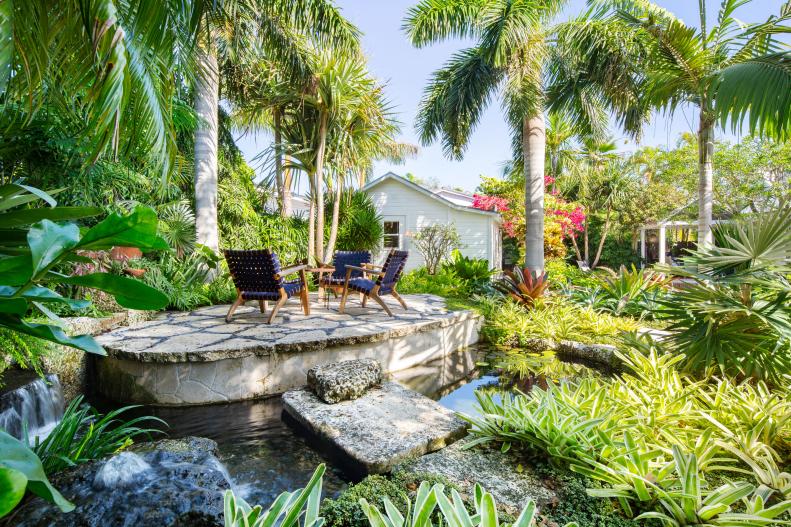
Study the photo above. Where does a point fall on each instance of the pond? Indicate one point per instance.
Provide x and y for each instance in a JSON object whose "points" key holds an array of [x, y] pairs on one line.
{"points": [[265, 456]]}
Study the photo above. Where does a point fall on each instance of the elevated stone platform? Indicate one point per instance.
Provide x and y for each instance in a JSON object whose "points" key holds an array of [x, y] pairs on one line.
{"points": [[197, 358]]}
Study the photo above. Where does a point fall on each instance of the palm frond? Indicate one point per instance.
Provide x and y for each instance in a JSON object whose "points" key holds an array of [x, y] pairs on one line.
{"points": [[431, 21]]}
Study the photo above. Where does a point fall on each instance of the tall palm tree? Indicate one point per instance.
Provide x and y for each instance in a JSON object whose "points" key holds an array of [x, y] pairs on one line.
{"points": [[518, 52], [110, 64], [730, 72], [276, 28]]}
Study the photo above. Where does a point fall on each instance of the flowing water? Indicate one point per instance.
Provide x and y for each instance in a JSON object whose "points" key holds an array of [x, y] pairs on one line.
{"points": [[32, 402]]}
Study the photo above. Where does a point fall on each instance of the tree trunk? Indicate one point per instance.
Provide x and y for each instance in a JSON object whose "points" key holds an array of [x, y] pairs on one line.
{"points": [[534, 151], [207, 88], [336, 210], [319, 190], [604, 230], [287, 206], [576, 247], [706, 176], [585, 242], [279, 187], [312, 224]]}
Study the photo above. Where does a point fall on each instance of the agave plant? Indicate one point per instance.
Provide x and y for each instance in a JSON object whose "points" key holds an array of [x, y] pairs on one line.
{"points": [[286, 511], [736, 314], [523, 285]]}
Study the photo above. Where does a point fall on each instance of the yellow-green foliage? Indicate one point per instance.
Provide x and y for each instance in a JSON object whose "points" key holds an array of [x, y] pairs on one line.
{"points": [[647, 431], [509, 324]]}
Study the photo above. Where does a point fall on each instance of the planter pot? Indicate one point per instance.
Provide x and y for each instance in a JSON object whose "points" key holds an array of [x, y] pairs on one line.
{"points": [[122, 254], [135, 273]]}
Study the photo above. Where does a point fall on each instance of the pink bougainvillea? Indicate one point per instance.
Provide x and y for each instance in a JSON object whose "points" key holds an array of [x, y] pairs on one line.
{"points": [[571, 221], [484, 202], [571, 217]]}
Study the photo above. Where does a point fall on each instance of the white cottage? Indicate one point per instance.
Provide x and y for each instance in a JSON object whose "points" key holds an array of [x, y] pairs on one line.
{"points": [[406, 207]]}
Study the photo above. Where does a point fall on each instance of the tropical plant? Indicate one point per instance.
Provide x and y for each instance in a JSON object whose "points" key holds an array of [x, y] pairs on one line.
{"points": [[727, 71], [630, 291], [475, 272], [177, 227], [453, 510], [735, 314], [435, 243], [299, 508], [182, 280], [83, 434], [21, 471], [34, 246], [359, 223], [523, 286]]}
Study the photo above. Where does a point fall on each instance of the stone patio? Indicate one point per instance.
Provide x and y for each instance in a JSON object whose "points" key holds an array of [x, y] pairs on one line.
{"points": [[197, 358]]}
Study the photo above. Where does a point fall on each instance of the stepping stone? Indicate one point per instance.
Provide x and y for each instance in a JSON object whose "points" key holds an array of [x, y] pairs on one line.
{"points": [[345, 380], [384, 427], [500, 473]]}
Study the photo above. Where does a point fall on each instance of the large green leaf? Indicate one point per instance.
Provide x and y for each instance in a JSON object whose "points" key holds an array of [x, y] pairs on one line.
{"points": [[138, 229], [17, 456], [15, 194], [48, 241], [41, 294], [16, 270], [15, 306], [19, 218], [128, 292], [51, 333], [12, 489]]}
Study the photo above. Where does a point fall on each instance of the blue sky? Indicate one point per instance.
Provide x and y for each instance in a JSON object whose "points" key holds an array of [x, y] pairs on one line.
{"points": [[406, 69]]}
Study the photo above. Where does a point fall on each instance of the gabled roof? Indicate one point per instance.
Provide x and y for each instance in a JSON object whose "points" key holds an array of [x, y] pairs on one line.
{"points": [[426, 192]]}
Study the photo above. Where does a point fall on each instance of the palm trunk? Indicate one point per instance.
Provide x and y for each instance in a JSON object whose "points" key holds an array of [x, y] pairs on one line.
{"points": [[604, 230], [312, 225], [279, 187], [319, 190], [207, 95], [287, 207], [336, 212], [534, 152], [706, 176]]}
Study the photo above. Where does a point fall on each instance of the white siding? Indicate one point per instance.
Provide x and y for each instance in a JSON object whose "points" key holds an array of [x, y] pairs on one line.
{"points": [[394, 199]]}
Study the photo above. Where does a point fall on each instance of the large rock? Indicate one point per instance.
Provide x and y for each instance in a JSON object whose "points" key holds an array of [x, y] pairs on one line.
{"points": [[384, 427], [345, 380], [169, 483], [500, 473]]}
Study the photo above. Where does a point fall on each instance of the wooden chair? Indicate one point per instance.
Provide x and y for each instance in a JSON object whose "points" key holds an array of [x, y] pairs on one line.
{"points": [[257, 275], [340, 260], [387, 277]]}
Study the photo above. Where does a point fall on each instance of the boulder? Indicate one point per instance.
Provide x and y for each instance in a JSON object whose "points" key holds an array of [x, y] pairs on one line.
{"points": [[345, 380], [502, 474], [168, 483], [385, 426]]}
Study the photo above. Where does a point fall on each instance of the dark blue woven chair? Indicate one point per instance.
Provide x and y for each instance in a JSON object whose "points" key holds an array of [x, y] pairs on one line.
{"points": [[340, 260], [258, 275], [387, 277]]}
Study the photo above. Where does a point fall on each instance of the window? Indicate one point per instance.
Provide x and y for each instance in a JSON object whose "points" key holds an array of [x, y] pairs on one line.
{"points": [[392, 236]]}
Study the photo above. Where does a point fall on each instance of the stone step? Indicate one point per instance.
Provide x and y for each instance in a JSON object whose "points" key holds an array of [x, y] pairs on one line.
{"points": [[385, 426]]}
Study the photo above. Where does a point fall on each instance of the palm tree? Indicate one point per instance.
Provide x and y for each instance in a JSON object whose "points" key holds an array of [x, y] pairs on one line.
{"points": [[731, 72], [519, 51], [108, 64], [276, 28]]}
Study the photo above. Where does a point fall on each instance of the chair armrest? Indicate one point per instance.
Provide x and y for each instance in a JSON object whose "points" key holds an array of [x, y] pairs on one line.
{"points": [[291, 270], [373, 265], [362, 269]]}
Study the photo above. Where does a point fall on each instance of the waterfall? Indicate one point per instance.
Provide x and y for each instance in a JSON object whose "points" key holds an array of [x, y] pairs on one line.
{"points": [[37, 404]]}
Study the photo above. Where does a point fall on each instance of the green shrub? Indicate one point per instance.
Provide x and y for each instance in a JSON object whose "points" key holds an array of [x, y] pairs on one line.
{"points": [[181, 279], [359, 223], [474, 272], [511, 325], [444, 283], [561, 273]]}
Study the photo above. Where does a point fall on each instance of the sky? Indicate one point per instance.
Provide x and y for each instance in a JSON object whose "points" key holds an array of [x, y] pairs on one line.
{"points": [[405, 70]]}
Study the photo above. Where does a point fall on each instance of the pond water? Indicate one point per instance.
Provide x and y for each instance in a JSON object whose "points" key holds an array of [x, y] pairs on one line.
{"points": [[265, 456]]}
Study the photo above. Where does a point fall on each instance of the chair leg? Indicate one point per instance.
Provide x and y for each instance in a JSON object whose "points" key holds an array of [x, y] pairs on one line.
{"points": [[378, 300], [398, 297], [278, 305], [262, 305], [345, 294], [303, 295], [363, 299], [238, 302]]}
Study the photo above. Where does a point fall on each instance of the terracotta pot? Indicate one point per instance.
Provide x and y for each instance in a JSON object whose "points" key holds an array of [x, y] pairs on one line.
{"points": [[122, 254], [135, 273]]}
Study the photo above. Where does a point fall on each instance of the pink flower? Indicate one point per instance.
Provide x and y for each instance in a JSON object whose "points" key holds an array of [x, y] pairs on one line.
{"points": [[494, 203]]}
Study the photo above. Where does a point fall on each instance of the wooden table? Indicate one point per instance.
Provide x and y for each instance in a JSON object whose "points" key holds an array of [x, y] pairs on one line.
{"points": [[323, 292]]}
